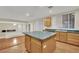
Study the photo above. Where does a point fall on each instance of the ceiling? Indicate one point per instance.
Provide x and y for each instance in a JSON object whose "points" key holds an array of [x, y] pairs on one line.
{"points": [[34, 12]]}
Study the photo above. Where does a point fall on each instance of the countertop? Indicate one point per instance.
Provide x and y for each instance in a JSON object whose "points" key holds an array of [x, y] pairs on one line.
{"points": [[41, 35], [63, 30]]}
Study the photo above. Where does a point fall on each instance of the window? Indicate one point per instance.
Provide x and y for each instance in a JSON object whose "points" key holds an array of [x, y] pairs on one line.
{"points": [[68, 20]]}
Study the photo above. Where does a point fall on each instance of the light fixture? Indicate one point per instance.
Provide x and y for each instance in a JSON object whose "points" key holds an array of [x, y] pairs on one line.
{"points": [[27, 14], [50, 11], [14, 24]]}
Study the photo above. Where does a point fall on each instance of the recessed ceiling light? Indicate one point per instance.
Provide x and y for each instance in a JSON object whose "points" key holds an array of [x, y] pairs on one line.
{"points": [[50, 11], [14, 24], [27, 14]]}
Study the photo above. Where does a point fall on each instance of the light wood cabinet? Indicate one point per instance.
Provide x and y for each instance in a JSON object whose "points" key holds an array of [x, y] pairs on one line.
{"points": [[47, 21], [57, 35], [27, 43], [49, 45], [35, 45], [63, 36], [46, 46], [73, 38]]}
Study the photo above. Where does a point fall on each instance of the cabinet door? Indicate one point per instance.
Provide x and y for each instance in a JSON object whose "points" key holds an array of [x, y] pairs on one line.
{"points": [[57, 35], [73, 38], [49, 45], [47, 21], [35, 45], [63, 36], [28, 43]]}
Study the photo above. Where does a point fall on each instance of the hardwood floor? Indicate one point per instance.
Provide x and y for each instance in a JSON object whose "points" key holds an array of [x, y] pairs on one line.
{"points": [[17, 45], [6, 43]]}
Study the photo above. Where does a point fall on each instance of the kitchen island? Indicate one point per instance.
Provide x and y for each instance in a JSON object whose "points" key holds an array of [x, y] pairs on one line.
{"points": [[40, 42]]}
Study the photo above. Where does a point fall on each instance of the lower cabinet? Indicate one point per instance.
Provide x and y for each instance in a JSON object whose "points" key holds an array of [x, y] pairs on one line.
{"points": [[35, 45], [73, 38], [61, 36], [49, 45], [57, 35], [28, 43]]}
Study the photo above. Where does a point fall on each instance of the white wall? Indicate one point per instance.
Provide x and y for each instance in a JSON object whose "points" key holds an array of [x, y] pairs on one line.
{"points": [[77, 19], [36, 25]]}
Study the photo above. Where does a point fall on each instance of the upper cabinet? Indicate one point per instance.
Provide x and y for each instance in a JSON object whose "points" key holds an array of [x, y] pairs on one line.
{"points": [[47, 21]]}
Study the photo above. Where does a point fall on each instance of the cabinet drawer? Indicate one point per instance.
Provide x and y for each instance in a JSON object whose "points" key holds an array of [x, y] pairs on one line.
{"points": [[63, 33], [73, 36]]}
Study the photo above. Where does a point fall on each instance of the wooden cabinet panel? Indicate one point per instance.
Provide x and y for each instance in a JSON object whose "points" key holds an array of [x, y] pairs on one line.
{"points": [[46, 46], [63, 36], [49, 45], [73, 38], [73, 35], [47, 21], [27, 43], [35, 45], [57, 35]]}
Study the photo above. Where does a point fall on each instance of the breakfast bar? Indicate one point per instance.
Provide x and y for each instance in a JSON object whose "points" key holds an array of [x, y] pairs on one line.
{"points": [[40, 42]]}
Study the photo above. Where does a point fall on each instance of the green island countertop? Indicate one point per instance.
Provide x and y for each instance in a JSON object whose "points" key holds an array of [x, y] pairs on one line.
{"points": [[64, 30], [41, 35]]}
